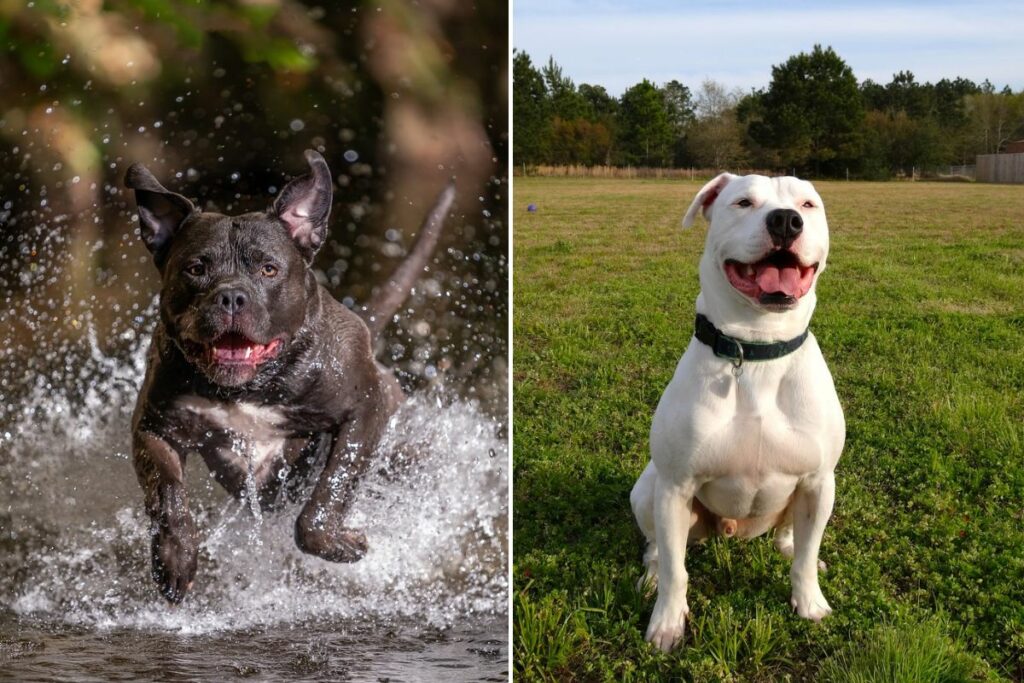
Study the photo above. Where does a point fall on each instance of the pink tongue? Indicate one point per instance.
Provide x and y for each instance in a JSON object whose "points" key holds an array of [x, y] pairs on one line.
{"points": [[771, 278]]}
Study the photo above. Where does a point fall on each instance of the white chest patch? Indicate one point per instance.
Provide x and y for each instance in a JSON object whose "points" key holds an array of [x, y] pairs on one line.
{"points": [[259, 436]]}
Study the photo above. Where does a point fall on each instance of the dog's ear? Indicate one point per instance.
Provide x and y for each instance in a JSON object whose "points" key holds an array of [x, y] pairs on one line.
{"points": [[161, 212], [305, 204], [706, 197]]}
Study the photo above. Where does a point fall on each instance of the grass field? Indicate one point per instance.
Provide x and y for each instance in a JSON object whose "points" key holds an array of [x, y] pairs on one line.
{"points": [[921, 318]]}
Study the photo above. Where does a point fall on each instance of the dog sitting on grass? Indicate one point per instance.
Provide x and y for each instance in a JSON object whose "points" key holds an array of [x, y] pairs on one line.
{"points": [[748, 433]]}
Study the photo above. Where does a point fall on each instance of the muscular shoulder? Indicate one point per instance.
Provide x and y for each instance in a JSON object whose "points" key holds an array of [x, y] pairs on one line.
{"points": [[343, 329]]}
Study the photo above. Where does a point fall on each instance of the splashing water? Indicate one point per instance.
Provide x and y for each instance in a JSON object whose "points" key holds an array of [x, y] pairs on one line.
{"points": [[240, 447], [74, 538]]}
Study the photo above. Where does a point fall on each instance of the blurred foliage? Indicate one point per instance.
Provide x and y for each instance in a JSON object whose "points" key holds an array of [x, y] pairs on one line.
{"points": [[220, 99]]}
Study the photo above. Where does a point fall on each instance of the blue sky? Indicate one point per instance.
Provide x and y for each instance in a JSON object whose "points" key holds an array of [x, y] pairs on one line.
{"points": [[736, 42]]}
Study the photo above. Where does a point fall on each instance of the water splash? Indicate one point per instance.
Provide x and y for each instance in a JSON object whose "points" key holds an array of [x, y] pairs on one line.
{"points": [[241, 448], [74, 538]]}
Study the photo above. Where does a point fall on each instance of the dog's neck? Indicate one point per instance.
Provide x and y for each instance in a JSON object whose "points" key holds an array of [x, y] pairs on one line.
{"points": [[738, 318]]}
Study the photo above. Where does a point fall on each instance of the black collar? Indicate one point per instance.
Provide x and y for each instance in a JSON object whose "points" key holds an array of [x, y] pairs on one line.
{"points": [[739, 351]]}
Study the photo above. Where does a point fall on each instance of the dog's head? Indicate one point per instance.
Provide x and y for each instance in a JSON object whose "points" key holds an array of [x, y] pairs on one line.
{"points": [[766, 243], [235, 288]]}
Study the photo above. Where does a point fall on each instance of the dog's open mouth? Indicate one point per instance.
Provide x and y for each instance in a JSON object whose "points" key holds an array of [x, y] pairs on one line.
{"points": [[237, 349], [777, 279]]}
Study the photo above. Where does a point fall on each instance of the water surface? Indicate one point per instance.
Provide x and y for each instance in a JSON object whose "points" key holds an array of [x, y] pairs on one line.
{"points": [[428, 602]]}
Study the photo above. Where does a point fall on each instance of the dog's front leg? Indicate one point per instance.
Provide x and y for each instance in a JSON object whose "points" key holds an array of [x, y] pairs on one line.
{"points": [[320, 528], [174, 543], [812, 507], [673, 507]]}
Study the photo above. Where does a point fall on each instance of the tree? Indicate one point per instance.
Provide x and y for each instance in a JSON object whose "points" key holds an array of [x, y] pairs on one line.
{"points": [[678, 105], [995, 118], [905, 94], [602, 112], [874, 95], [579, 141], [600, 105], [949, 101], [530, 107], [812, 112], [716, 137], [896, 141], [645, 131], [566, 102]]}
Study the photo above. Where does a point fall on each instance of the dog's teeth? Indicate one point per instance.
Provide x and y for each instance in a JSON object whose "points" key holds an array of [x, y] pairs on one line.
{"points": [[248, 352]]}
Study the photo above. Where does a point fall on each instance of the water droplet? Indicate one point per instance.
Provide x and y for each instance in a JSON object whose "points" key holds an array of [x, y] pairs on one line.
{"points": [[351, 156], [297, 125]]}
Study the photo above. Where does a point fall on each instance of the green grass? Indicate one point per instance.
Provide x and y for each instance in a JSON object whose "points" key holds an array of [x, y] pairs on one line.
{"points": [[921, 318]]}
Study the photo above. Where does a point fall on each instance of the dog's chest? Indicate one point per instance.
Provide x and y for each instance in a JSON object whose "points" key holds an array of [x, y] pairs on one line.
{"points": [[255, 434], [751, 462]]}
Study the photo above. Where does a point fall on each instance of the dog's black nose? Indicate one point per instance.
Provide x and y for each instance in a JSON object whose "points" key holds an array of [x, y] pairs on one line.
{"points": [[232, 300], [784, 225]]}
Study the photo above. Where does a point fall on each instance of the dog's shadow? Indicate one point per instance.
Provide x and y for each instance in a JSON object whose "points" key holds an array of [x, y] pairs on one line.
{"points": [[578, 519]]}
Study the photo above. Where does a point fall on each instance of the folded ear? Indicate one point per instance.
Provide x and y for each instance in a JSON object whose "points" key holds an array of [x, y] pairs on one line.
{"points": [[305, 204], [161, 212], [706, 197]]}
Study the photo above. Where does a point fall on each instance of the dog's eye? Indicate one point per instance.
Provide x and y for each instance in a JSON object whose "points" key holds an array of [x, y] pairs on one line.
{"points": [[269, 270], [744, 203], [196, 270], [808, 204]]}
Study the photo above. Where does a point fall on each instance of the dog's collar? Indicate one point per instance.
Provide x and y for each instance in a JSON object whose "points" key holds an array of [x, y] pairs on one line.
{"points": [[739, 351]]}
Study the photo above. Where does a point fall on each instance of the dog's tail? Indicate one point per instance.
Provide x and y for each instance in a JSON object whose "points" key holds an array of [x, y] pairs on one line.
{"points": [[389, 297]]}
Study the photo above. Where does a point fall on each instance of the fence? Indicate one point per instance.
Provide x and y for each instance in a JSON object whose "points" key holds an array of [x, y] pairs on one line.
{"points": [[579, 171], [1001, 168], [962, 171]]}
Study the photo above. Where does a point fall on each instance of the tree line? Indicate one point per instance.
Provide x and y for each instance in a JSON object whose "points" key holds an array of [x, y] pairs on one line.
{"points": [[814, 117]]}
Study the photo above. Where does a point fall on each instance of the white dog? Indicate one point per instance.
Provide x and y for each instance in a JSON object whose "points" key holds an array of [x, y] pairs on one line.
{"points": [[747, 435]]}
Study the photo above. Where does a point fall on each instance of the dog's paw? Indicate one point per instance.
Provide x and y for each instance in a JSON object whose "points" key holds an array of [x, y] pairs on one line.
{"points": [[787, 552], [784, 544], [335, 544], [175, 558], [809, 602], [667, 626], [647, 585]]}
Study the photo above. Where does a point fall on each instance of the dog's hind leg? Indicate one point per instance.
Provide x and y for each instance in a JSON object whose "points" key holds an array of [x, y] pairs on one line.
{"points": [[784, 537], [641, 499]]}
